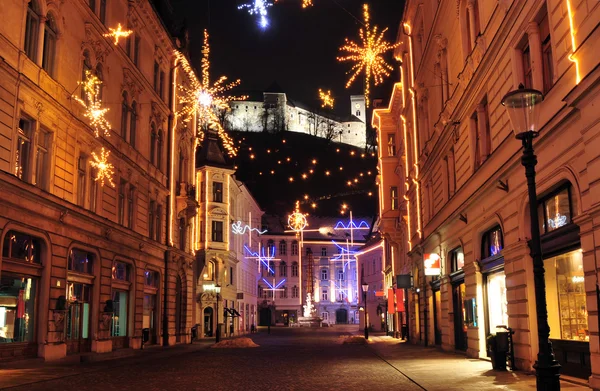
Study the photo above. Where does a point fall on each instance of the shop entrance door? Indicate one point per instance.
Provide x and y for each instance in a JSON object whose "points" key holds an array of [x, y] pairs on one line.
{"points": [[78, 324], [437, 316], [208, 321], [460, 327]]}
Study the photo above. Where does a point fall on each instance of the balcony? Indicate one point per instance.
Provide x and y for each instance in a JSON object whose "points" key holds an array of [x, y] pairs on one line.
{"points": [[186, 204]]}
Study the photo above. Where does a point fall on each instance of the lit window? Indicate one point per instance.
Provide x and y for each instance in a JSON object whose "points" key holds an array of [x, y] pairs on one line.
{"points": [[22, 161], [457, 259], [217, 231], [492, 243], [555, 210], [394, 197]]}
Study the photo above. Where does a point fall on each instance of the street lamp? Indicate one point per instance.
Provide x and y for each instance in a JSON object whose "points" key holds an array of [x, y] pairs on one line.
{"points": [[365, 289], [522, 106], [218, 290]]}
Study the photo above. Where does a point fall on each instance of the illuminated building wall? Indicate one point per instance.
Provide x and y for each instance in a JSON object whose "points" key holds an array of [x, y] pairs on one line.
{"points": [[460, 174]]}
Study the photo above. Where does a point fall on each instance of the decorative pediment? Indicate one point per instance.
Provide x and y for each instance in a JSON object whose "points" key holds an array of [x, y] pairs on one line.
{"points": [[158, 116], [130, 83], [217, 176], [95, 41], [218, 212]]}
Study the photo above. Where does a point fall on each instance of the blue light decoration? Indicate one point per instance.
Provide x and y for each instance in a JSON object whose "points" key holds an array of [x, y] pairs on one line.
{"points": [[276, 286], [264, 258], [237, 229], [258, 7], [352, 225]]}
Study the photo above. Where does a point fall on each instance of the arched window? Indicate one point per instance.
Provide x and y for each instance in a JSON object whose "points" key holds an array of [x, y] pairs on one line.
{"points": [[294, 248], [32, 27], [85, 68], [283, 269], [492, 242], [159, 150], [22, 247], [133, 125], [469, 25], [295, 269], [210, 274], [282, 247], [49, 54], [271, 247], [124, 115], [153, 140], [100, 76]]}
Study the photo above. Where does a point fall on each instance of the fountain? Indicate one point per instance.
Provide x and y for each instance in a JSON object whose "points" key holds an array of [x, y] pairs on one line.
{"points": [[309, 319]]}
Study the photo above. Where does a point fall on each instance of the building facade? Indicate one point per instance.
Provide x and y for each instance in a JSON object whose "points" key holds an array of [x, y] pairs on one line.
{"points": [[275, 112], [459, 196], [87, 266]]}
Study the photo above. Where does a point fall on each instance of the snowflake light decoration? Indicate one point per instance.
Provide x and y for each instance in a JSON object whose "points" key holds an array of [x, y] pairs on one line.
{"points": [[118, 33], [205, 99], [368, 56], [297, 221], [93, 104], [326, 99], [105, 170], [259, 7]]}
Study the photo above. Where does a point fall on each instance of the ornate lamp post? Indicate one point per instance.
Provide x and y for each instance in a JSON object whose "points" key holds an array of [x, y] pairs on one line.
{"points": [[522, 106], [365, 289], [218, 336]]}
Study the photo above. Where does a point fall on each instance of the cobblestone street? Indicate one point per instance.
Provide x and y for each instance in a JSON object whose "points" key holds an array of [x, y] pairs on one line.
{"points": [[287, 359]]}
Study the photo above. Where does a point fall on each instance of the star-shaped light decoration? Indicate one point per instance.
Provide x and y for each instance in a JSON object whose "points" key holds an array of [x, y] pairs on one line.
{"points": [[307, 3], [105, 170], [326, 99], [368, 56], [205, 100], [118, 33], [259, 7], [93, 104], [297, 220]]}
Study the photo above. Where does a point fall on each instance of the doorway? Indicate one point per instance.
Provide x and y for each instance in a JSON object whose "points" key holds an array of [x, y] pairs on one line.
{"points": [[437, 316], [460, 326], [178, 310], [208, 322], [341, 316], [78, 324]]}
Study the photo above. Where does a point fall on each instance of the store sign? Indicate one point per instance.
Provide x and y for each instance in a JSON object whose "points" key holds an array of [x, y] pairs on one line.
{"points": [[400, 300], [433, 264], [391, 306]]}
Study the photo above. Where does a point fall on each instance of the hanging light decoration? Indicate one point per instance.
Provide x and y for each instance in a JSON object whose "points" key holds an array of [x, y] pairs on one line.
{"points": [[118, 33], [326, 99], [259, 8], [368, 55], [104, 169], [93, 104]]}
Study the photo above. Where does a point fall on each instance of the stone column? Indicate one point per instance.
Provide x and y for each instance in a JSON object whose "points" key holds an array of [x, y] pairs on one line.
{"points": [[535, 50]]}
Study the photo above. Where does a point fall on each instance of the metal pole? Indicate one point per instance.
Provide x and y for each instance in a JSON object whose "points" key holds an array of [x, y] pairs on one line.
{"points": [[366, 326], [218, 337], [546, 367]]}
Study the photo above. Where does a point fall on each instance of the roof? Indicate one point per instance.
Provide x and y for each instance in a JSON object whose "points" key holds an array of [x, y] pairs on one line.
{"points": [[210, 154], [275, 88]]}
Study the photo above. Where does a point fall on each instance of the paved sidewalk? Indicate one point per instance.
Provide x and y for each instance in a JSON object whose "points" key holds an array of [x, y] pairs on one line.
{"points": [[23, 372], [433, 369]]}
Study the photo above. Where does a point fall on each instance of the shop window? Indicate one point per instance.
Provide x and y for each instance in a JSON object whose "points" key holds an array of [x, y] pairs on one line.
{"points": [[17, 308], [119, 320], [282, 247], [22, 247], [555, 210], [324, 274], [295, 269], [120, 271], [492, 243], [217, 191], [217, 231], [497, 301], [81, 261], [457, 259], [151, 278], [565, 290], [78, 292]]}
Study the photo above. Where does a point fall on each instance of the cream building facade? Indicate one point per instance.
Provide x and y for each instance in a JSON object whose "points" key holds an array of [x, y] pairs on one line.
{"points": [[452, 186]]}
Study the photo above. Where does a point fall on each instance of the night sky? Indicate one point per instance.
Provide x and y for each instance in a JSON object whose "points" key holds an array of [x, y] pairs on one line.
{"points": [[298, 50]]}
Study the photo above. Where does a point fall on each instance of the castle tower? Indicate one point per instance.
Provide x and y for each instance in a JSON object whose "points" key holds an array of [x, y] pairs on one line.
{"points": [[358, 107]]}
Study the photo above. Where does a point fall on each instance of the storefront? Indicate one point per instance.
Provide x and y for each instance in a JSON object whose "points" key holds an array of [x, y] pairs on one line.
{"points": [[494, 280], [457, 280], [565, 284], [19, 285], [121, 286], [80, 283], [437, 311], [150, 314]]}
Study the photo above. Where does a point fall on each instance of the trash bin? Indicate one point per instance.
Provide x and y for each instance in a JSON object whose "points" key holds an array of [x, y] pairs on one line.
{"points": [[145, 335], [195, 332], [497, 348]]}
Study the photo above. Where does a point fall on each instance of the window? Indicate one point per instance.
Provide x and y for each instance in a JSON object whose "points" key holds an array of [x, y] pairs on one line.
{"points": [[295, 292], [86, 69], [340, 274], [17, 308], [103, 11], [23, 163], [131, 207], [159, 150], [295, 269], [394, 197], [217, 231], [92, 4], [283, 293], [358, 113], [100, 76], [135, 50], [492, 242], [282, 269], [32, 26], [217, 191], [121, 201], [93, 189], [261, 292], [158, 226], [210, 276], [282, 247], [153, 140], [81, 179], [133, 125], [391, 144], [294, 248], [156, 73], [49, 53], [457, 259], [161, 85], [151, 212], [324, 295], [42, 171], [527, 70], [323, 274], [271, 269], [308, 251], [120, 271], [81, 261], [119, 320], [230, 275], [323, 251], [565, 292], [22, 247], [124, 115], [555, 210], [547, 62], [182, 227]]}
